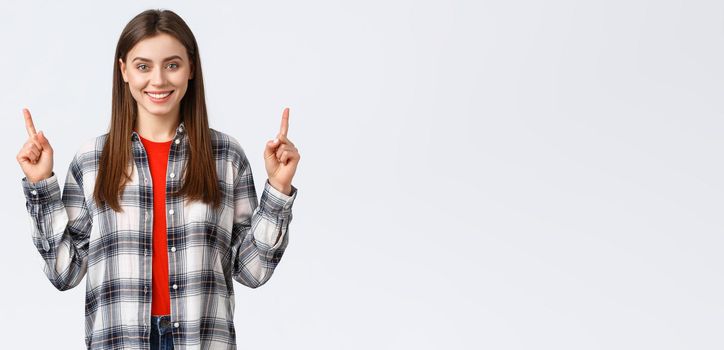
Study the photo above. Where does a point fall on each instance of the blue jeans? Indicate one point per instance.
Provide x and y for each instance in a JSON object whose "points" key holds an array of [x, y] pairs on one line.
{"points": [[161, 333]]}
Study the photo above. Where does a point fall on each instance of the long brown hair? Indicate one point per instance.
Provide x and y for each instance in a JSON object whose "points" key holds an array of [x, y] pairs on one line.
{"points": [[200, 181]]}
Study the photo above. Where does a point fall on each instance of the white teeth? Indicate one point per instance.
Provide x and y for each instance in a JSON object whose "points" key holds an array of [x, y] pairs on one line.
{"points": [[158, 95]]}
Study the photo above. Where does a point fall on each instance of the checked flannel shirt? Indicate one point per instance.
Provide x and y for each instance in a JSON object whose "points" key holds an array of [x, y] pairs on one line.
{"points": [[208, 248]]}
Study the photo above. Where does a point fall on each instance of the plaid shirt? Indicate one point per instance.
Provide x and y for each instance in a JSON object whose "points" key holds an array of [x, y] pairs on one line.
{"points": [[242, 240]]}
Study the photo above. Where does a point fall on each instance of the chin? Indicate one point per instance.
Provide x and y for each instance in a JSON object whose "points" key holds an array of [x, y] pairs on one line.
{"points": [[156, 111]]}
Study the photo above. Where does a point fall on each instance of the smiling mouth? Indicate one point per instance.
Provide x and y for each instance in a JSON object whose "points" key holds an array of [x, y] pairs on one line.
{"points": [[158, 95]]}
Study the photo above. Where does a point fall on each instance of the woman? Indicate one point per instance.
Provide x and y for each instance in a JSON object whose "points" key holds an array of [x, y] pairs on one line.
{"points": [[161, 212]]}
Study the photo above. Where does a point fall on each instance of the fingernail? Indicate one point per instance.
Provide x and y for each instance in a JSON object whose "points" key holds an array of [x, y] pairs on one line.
{"points": [[276, 140]]}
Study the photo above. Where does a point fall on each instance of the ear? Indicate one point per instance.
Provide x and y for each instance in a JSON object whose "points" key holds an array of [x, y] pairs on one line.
{"points": [[123, 69]]}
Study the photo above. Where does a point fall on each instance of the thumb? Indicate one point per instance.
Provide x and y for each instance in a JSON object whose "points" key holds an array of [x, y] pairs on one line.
{"points": [[271, 147], [43, 140]]}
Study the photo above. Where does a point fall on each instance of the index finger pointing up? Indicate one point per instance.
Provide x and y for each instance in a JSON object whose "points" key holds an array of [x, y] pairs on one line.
{"points": [[29, 123], [285, 122]]}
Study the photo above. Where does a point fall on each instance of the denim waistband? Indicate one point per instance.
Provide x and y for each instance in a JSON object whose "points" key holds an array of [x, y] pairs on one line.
{"points": [[162, 323]]}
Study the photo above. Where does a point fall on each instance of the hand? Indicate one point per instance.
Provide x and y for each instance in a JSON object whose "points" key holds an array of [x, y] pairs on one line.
{"points": [[281, 158], [36, 156]]}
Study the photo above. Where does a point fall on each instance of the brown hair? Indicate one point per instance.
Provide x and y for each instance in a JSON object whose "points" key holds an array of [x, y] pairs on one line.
{"points": [[200, 170]]}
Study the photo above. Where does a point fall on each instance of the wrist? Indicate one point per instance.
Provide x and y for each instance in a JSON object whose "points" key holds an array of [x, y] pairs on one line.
{"points": [[34, 180], [286, 189]]}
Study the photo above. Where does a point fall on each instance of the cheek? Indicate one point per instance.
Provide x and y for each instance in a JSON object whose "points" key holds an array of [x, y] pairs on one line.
{"points": [[180, 81], [136, 83], [136, 89], [181, 85]]}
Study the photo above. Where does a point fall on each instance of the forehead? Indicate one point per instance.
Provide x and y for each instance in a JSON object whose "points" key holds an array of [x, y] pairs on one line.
{"points": [[157, 48]]}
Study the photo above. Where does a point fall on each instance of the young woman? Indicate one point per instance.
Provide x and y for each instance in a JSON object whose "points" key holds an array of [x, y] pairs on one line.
{"points": [[161, 213]]}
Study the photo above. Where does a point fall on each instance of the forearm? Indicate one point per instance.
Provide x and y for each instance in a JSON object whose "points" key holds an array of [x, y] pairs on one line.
{"points": [[59, 231], [262, 238]]}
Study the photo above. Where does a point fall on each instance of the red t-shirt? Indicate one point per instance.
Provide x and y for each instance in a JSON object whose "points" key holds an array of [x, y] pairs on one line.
{"points": [[157, 153]]}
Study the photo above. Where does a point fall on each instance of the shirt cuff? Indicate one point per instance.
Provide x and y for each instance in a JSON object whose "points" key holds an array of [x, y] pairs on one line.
{"points": [[275, 202], [42, 191]]}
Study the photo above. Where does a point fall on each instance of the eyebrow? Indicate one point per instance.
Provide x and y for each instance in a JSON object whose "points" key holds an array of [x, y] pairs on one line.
{"points": [[166, 59]]}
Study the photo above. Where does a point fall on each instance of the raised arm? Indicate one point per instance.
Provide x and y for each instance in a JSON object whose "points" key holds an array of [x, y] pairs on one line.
{"points": [[260, 231], [60, 224]]}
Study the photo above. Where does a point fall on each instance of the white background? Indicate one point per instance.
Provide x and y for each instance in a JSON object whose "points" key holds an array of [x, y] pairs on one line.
{"points": [[474, 174]]}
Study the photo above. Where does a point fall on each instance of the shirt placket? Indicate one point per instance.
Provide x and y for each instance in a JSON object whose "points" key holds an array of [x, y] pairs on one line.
{"points": [[172, 181], [144, 173], [147, 229]]}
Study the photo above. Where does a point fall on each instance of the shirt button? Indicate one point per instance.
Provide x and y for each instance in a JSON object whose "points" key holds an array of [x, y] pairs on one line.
{"points": [[173, 249], [170, 211], [175, 286], [34, 192], [145, 181], [178, 141], [175, 324], [180, 129], [172, 175]]}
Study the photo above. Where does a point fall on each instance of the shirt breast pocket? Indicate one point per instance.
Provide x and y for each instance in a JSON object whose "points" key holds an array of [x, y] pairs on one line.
{"points": [[197, 211], [201, 227]]}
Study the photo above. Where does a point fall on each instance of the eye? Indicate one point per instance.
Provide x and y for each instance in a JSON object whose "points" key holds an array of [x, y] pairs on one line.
{"points": [[142, 67], [175, 65]]}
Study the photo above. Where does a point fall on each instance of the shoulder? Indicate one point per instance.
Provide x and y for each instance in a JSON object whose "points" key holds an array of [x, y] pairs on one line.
{"points": [[86, 158], [90, 150], [228, 148]]}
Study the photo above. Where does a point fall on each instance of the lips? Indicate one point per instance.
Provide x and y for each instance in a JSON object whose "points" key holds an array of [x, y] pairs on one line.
{"points": [[158, 96]]}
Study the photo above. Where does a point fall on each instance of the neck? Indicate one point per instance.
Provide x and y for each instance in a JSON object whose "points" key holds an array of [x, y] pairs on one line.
{"points": [[157, 128]]}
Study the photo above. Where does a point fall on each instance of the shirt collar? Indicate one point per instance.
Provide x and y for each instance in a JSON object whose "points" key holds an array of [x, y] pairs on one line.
{"points": [[180, 131]]}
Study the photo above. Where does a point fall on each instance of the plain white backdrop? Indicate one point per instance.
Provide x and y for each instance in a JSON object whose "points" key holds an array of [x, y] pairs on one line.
{"points": [[474, 174]]}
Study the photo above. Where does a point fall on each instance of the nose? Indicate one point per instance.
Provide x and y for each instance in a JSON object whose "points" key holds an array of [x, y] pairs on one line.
{"points": [[158, 77]]}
